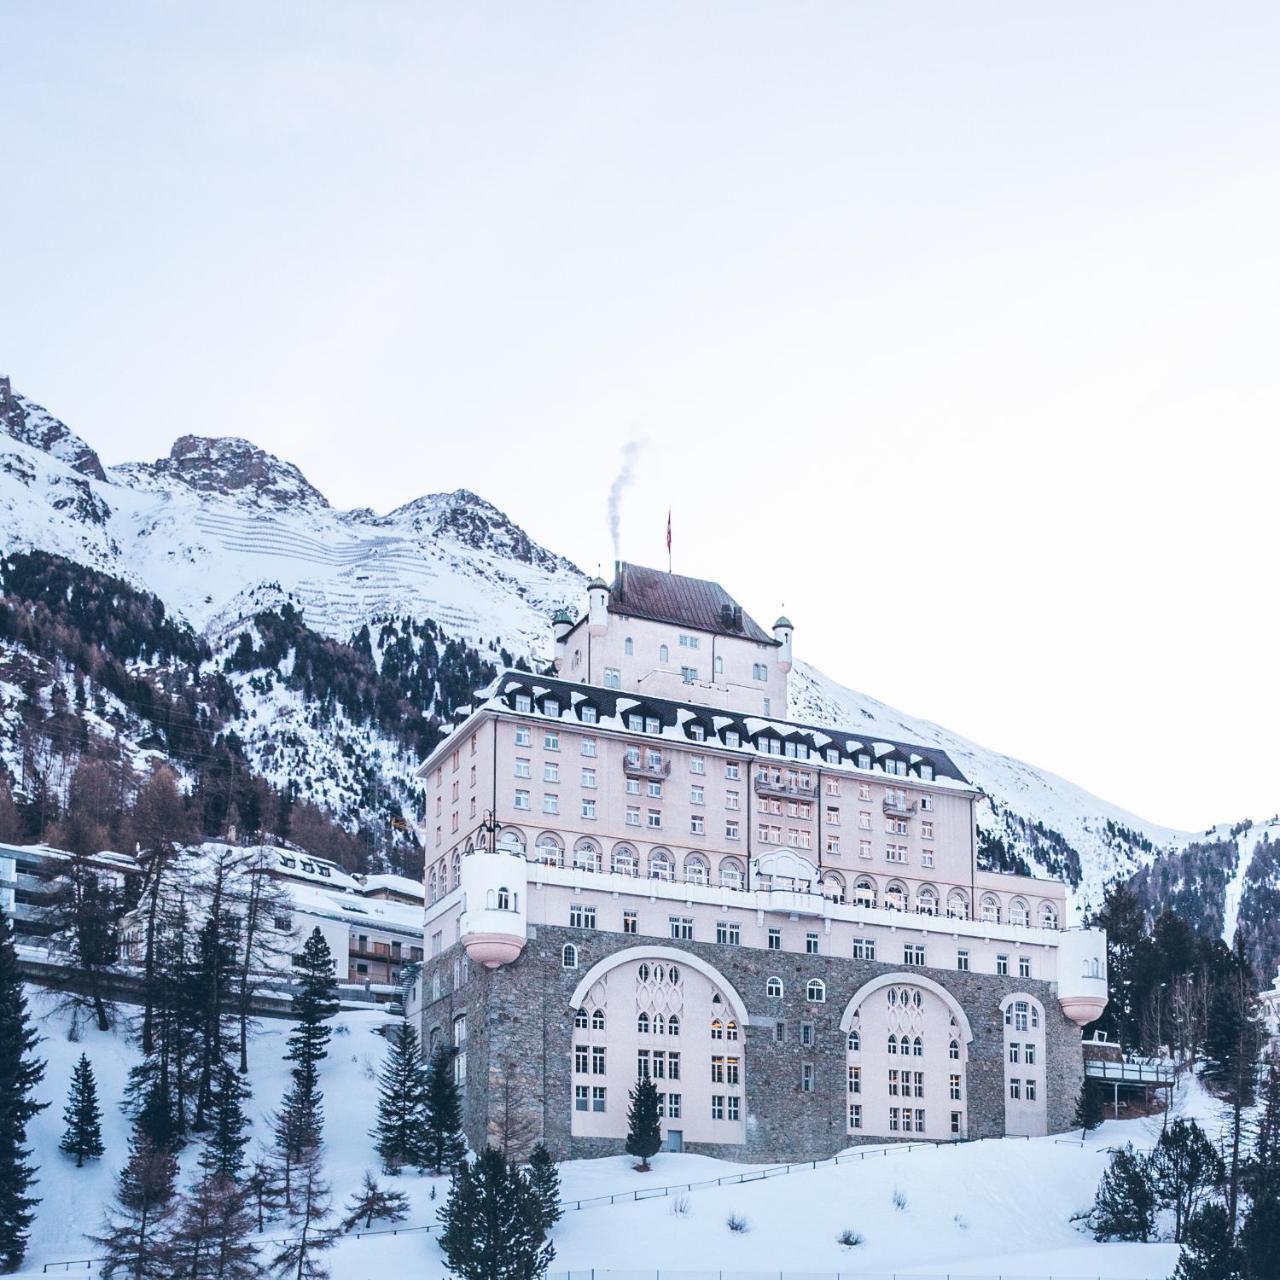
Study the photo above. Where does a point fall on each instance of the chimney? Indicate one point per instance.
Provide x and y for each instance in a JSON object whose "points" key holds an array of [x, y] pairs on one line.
{"points": [[737, 617]]}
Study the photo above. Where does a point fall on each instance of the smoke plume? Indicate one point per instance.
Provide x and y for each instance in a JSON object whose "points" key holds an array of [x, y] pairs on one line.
{"points": [[621, 483]]}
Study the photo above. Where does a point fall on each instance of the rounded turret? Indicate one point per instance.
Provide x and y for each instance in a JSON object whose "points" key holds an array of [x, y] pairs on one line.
{"points": [[494, 918], [1082, 974], [598, 607], [782, 632], [561, 625]]}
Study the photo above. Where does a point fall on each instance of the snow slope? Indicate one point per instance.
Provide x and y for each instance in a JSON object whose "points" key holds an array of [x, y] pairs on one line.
{"points": [[983, 1208]]}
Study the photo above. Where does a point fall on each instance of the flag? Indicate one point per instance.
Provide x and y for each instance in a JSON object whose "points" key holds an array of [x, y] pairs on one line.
{"points": [[668, 539]]}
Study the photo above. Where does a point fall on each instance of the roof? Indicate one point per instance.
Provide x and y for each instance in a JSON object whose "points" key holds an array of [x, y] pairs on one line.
{"points": [[695, 603]]}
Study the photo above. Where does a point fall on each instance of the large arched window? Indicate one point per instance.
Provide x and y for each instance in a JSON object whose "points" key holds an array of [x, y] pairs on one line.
{"points": [[773, 988], [855, 1040], [580, 1019], [816, 991], [586, 856], [892, 1045], [1018, 912], [433, 886], [927, 901], [953, 1050], [660, 866], [642, 1024], [696, 869], [673, 1025], [833, 886], [732, 875], [597, 1020], [549, 851], [717, 1029], [864, 892], [958, 904], [624, 860], [455, 870], [895, 896], [505, 899], [990, 909], [1048, 916], [568, 956]]}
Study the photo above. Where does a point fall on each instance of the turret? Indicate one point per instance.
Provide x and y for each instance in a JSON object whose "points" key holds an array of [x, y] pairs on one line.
{"points": [[561, 625], [598, 607], [782, 630], [1082, 974], [494, 917]]}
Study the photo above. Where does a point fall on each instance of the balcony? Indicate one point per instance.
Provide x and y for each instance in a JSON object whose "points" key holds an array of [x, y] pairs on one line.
{"points": [[790, 790], [645, 769], [898, 808]]}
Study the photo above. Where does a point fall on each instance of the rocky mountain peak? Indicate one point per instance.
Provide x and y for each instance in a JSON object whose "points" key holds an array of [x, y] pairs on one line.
{"points": [[23, 420], [469, 519], [234, 467]]}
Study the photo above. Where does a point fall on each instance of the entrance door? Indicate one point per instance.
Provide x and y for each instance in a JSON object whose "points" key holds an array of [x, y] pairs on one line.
{"points": [[675, 1139]]}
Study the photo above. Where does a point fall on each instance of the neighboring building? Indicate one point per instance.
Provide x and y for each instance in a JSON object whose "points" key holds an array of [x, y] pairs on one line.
{"points": [[29, 882], [393, 889], [1271, 1013], [654, 871]]}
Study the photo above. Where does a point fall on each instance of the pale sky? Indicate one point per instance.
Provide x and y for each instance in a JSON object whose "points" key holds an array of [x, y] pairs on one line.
{"points": [[952, 327]]}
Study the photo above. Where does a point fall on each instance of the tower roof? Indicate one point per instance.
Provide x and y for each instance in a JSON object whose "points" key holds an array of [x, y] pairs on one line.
{"points": [[695, 603]]}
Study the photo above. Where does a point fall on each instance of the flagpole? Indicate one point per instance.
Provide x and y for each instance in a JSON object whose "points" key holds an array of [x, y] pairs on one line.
{"points": [[668, 539]]}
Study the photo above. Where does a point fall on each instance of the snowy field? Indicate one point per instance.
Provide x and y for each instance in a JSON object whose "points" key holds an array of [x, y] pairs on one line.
{"points": [[981, 1209]]}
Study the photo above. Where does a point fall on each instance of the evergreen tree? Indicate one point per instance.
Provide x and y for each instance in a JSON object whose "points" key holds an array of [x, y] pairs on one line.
{"points": [[211, 1238], [1260, 1240], [386, 1204], [442, 1142], [644, 1132], [1090, 1111], [223, 1155], [302, 1256], [1232, 1044], [1125, 922], [1182, 1170], [1263, 1174], [1124, 1206], [83, 1136], [544, 1178], [20, 1072], [491, 1220], [402, 1103], [137, 1235], [265, 1188], [1209, 1251]]}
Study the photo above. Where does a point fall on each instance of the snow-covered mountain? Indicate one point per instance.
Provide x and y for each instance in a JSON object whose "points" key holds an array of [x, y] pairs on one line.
{"points": [[222, 532]]}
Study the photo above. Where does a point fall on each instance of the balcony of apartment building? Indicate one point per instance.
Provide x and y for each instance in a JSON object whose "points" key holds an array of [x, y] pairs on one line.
{"points": [[897, 805], [646, 764], [785, 786]]}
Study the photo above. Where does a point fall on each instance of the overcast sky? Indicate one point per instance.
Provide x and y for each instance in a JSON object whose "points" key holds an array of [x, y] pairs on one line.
{"points": [[952, 328]]}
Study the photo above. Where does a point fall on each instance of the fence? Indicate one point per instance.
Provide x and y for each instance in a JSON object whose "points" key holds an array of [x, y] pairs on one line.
{"points": [[595, 1274]]}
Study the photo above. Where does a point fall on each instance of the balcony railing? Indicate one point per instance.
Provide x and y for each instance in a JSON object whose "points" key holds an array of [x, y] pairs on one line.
{"points": [[781, 787], [900, 808], [645, 768]]}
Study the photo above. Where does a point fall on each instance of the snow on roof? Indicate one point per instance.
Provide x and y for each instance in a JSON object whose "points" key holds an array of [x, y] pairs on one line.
{"points": [[374, 912], [395, 884]]}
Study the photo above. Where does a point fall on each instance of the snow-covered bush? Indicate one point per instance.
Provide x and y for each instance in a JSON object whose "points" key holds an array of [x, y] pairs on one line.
{"points": [[849, 1238], [899, 1201], [737, 1225]]}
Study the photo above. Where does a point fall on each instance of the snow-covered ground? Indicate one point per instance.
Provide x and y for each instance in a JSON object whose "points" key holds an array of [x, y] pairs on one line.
{"points": [[981, 1209]]}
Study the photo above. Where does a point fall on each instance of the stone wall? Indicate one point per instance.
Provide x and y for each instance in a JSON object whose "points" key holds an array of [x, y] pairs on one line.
{"points": [[520, 1029]]}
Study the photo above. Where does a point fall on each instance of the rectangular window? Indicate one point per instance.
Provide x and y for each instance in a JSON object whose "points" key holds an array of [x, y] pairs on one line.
{"points": [[775, 939], [833, 816], [1031, 1090], [633, 786], [654, 819], [612, 678], [673, 1106], [962, 960], [855, 1079], [759, 671], [629, 923], [895, 1124], [589, 779], [1024, 966], [728, 933], [953, 1088], [588, 713], [689, 642], [522, 799], [855, 1115], [731, 769], [597, 1097], [1013, 1052], [589, 745], [697, 825], [523, 735], [597, 1060], [732, 801], [551, 772], [893, 1084], [926, 857], [523, 769], [913, 953], [633, 815], [581, 1059], [697, 764], [918, 1083], [780, 1032], [689, 675], [811, 944], [654, 790], [1015, 1089], [717, 1070], [1002, 966], [731, 829], [697, 795], [524, 702], [588, 808], [642, 1063], [806, 1034], [580, 1096], [734, 1104], [1029, 1054], [551, 740], [717, 1106], [582, 917], [681, 927], [955, 1123], [926, 829], [864, 848], [864, 948], [550, 802], [806, 1077]]}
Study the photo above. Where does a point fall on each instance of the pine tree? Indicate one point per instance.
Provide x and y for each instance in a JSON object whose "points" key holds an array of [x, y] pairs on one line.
{"points": [[211, 1238], [1263, 1173], [374, 1201], [1260, 1240], [265, 1188], [223, 1155], [644, 1132], [136, 1239], [20, 1072], [1209, 1251], [1182, 1170], [302, 1256], [442, 1142], [491, 1221], [402, 1103], [1124, 1207], [544, 1178], [1090, 1110], [83, 1137]]}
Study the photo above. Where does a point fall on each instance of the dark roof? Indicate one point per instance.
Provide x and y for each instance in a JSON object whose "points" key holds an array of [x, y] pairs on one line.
{"points": [[683, 602], [669, 714]]}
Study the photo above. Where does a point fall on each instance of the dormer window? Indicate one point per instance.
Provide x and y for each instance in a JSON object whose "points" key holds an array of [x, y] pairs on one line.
{"points": [[635, 723], [833, 755], [652, 724], [524, 702], [864, 760], [551, 706], [588, 714], [926, 772], [697, 733], [732, 738]]}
